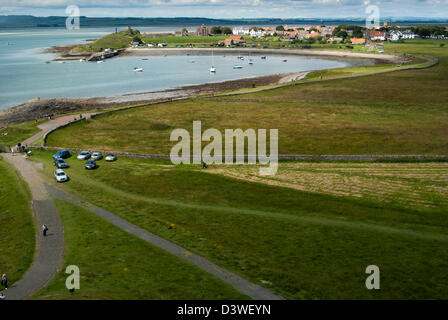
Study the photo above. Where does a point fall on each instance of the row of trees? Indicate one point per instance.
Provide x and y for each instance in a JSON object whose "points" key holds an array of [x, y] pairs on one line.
{"points": [[220, 30]]}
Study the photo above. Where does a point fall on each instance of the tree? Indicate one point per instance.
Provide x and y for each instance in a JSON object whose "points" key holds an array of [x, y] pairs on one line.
{"points": [[226, 30], [216, 30], [280, 28]]}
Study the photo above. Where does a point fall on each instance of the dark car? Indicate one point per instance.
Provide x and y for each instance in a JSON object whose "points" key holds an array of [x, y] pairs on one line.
{"points": [[90, 164], [63, 154], [60, 163]]}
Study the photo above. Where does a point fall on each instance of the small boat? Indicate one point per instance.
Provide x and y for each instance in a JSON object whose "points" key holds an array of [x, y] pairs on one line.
{"points": [[100, 61], [46, 62], [213, 68], [61, 62], [82, 60], [251, 63], [284, 60], [263, 57], [145, 59], [138, 69], [192, 61], [237, 67]]}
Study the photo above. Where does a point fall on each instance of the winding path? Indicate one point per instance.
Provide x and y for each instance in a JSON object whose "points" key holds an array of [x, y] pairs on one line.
{"points": [[49, 249], [252, 290]]}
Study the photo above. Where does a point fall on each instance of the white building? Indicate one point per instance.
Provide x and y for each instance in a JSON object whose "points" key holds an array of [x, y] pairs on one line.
{"points": [[257, 34], [239, 31], [408, 34]]}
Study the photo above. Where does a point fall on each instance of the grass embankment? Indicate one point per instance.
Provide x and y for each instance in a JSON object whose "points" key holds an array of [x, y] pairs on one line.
{"points": [[300, 244], [117, 265], [19, 132], [17, 231], [117, 40], [400, 112]]}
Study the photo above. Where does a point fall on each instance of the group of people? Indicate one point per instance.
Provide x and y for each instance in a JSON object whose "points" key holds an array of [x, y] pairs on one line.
{"points": [[4, 283]]}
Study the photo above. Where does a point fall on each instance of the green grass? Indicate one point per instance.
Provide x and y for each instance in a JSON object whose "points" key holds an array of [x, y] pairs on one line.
{"points": [[299, 244], [17, 231], [401, 112], [19, 132], [117, 40], [116, 265]]}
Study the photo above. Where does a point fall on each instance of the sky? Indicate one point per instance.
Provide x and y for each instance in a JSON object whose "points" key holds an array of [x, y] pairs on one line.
{"points": [[230, 8]]}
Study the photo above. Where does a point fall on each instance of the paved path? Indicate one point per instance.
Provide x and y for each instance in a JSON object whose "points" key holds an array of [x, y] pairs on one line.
{"points": [[53, 124], [252, 290], [50, 249]]}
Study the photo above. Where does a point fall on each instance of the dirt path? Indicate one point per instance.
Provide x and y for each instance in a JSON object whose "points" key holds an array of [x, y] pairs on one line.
{"points": [[252, 290], [49, 249]]}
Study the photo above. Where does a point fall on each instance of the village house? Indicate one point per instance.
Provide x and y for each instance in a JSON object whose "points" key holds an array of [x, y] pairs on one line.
{"points": [[232, 41], [358, 40], [377, 35]]}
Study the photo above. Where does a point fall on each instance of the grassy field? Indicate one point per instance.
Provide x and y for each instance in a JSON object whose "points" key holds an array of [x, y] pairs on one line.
{"points": [[402, 112], [116, 265], [17, 231], [301, 244], [19, 132]]}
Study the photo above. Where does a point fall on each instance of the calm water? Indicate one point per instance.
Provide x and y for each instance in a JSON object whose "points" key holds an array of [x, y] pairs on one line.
{"points": [[24, 75]]}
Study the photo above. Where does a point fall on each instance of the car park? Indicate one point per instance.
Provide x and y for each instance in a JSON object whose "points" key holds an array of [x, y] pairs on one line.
{"points": [[60, 163], [111, 157], [83, 155], [97, 156], [63, 154], [90, 164], [60, 175]]}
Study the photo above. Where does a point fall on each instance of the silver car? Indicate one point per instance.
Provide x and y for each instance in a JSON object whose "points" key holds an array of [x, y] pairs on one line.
{"points": [[97, 156], [111, 157], [84, 155], [60, 175]]}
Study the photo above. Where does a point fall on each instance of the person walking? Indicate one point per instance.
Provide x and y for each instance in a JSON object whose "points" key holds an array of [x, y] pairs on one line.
{"points": [[44, 230], [4, 281]]}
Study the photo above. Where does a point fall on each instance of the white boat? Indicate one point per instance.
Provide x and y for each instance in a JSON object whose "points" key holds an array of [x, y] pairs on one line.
{"points": [[237, 67], [100, 61], [138, 69], [213, 68], [82, 60]]}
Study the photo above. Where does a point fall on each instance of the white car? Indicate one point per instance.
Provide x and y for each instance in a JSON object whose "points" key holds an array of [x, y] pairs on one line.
{"points": [[111, 157], [60, 175], [97, 156], [84, 155]]}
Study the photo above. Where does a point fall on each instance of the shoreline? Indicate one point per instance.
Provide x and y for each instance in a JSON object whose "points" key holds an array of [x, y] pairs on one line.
{"points": [[40, 107]]}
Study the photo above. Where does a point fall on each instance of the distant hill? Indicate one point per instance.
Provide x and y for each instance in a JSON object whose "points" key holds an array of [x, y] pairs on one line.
{"points": [[27, 21]]}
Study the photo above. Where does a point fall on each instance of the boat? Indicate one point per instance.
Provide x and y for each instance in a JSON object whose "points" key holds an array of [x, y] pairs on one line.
{"points": [[237, 67], [145, 59], [263, 57], [138, 69], [82, 60], [251, 63], [213, 68], [284, 60], [100, 61]]}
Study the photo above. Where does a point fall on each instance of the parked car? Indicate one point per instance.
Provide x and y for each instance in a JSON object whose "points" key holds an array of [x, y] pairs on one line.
{"points": [[83, 155], [60, 163], [63, 154], [97, 156], [91, 164], [60, 175], [111, 157]]}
